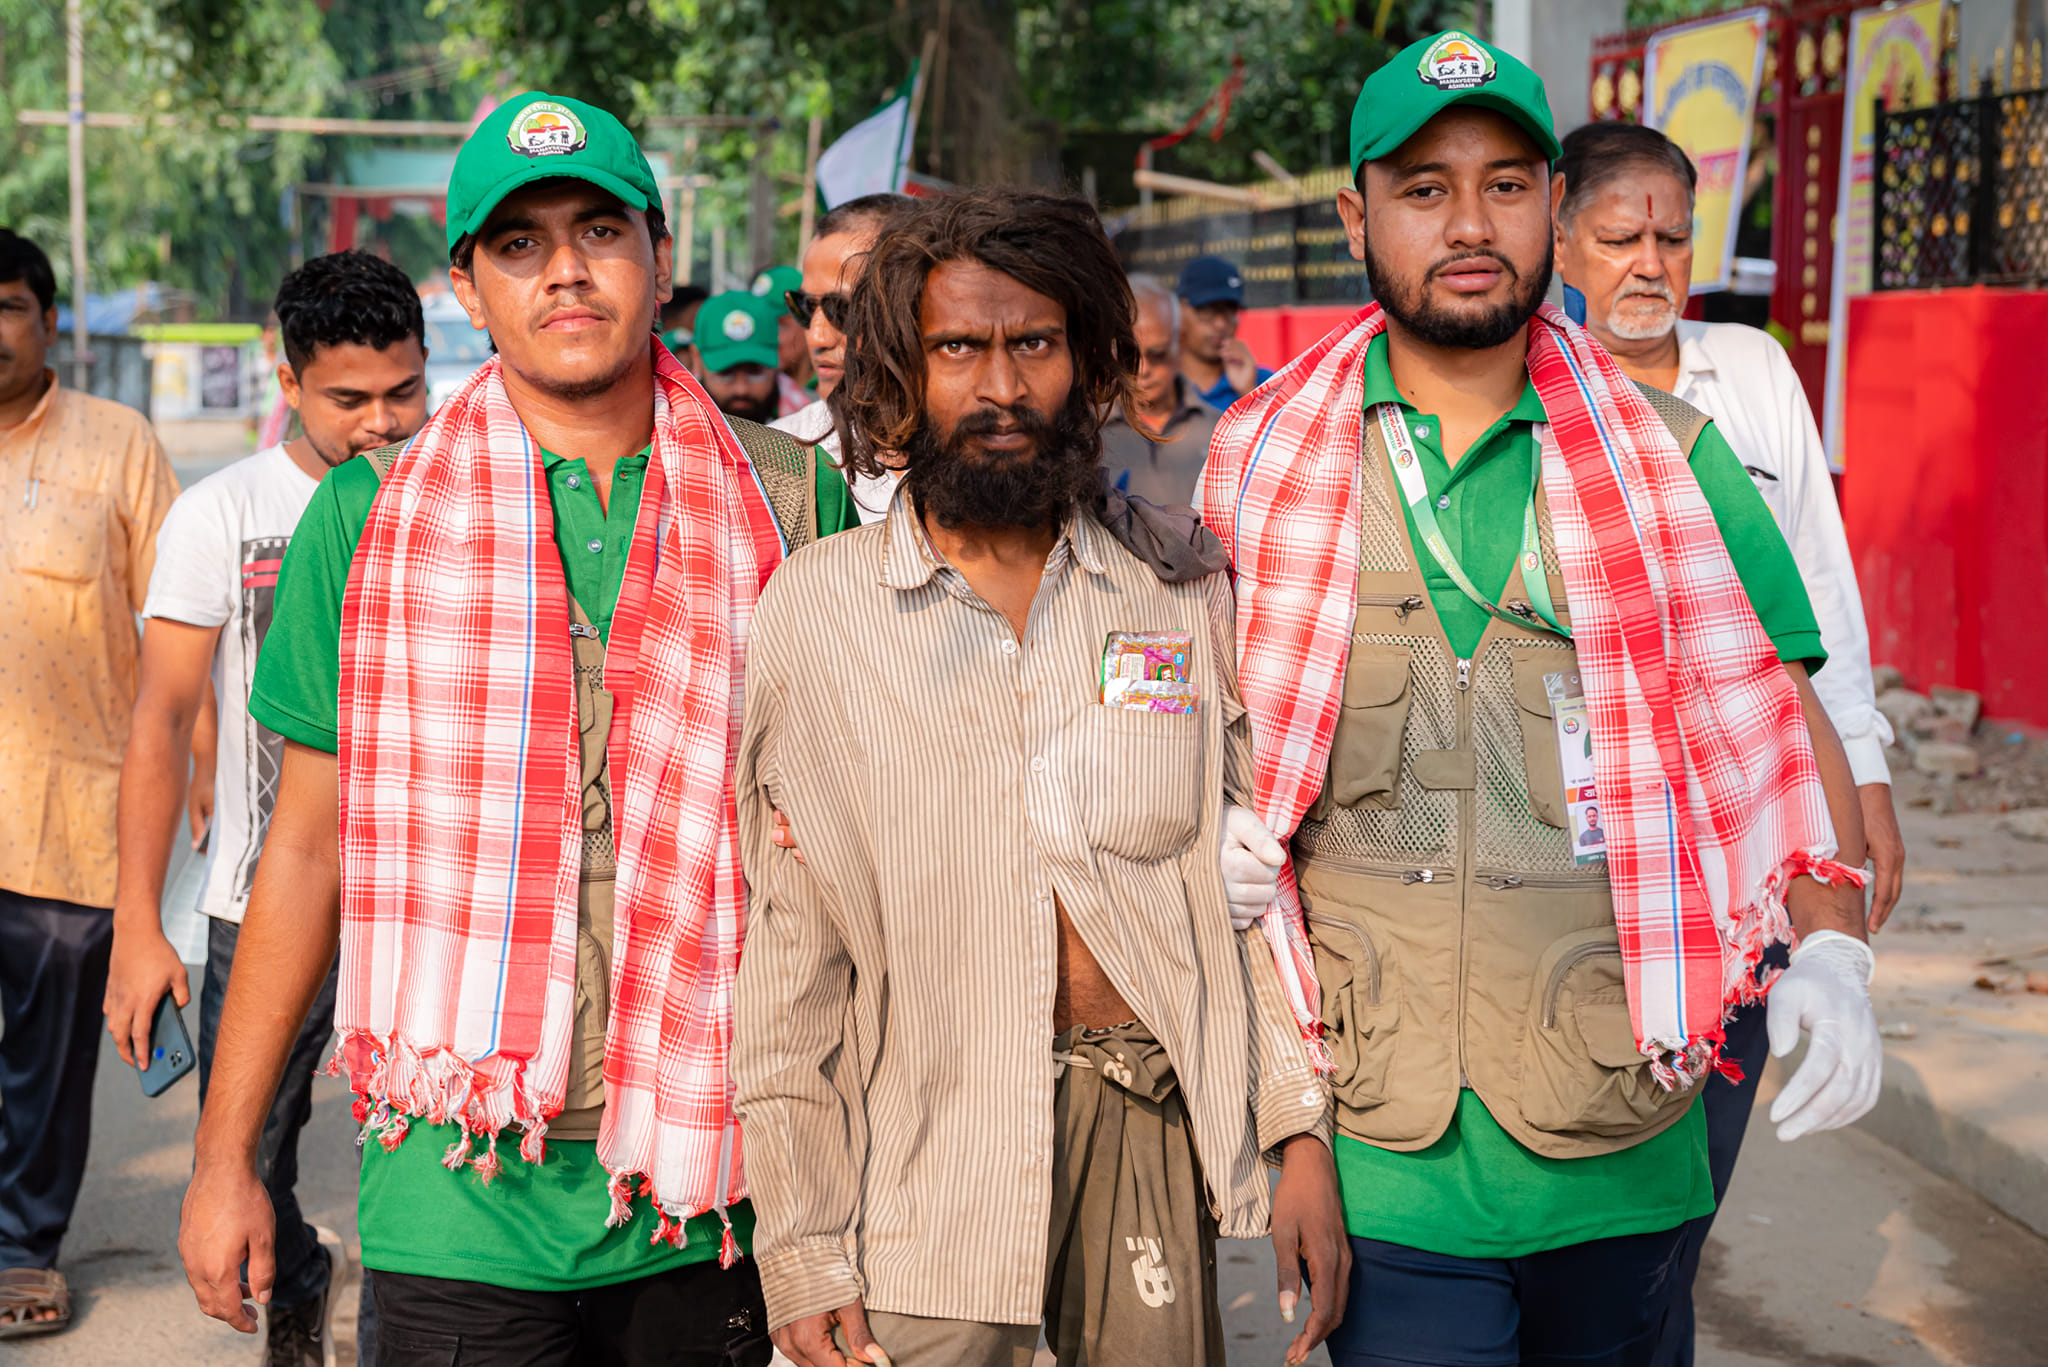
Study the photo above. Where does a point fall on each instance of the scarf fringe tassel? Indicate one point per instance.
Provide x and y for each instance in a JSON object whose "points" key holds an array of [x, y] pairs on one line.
{"points": [[394, 1085], [670, 1228], [1746, 980]]}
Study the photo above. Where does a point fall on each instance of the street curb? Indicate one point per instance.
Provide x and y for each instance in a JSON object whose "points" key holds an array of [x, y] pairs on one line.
{"points": [[1991, 1156]]}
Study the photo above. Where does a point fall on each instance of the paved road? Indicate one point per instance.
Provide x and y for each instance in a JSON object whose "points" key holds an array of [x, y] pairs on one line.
{"points": [[1833, 1252]]}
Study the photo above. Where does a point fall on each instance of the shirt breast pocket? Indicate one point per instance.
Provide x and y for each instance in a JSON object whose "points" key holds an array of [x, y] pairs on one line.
{"points": [[1139, 779], [63, 535]]}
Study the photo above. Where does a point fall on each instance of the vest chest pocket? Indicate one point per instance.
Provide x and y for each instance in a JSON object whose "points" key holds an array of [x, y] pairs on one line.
{"points": [[1581, 1070], [1138, 780], [64, 536], [1365, 753], [1539, 732], [1361, 1020]]}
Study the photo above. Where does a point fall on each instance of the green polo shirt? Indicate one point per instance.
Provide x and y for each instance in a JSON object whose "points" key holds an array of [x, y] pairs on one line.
{"points": [[1476, 1192], [530, 1229]]}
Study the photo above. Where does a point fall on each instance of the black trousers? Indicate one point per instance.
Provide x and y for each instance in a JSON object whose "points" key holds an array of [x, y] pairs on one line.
{"points": [[1727, 1105], [53, 982], [696, 1316]]}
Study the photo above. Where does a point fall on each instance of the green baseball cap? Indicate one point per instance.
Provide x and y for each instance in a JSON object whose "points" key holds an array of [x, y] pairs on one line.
{"points": [[1428, 77], [537, 136], [771, 283], [737, 327]]}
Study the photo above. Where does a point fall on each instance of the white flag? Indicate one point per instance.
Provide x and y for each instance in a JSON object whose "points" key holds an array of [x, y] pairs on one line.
{"points": [[871, 157]]}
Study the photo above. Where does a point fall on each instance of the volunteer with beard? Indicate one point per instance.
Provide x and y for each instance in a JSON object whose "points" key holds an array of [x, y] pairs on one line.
{"points": [[1002, 1057], [1623, 197], [1447, 519], [735, 339]]}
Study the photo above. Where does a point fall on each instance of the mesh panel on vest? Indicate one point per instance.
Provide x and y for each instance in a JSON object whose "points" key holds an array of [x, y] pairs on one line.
{"points": [[1507, 837], [1423, 830], [783, 465], [1383, 535]]}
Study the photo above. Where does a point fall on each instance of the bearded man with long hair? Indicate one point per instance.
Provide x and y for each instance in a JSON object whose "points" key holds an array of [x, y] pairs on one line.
{"points": [[1007, 1050]]}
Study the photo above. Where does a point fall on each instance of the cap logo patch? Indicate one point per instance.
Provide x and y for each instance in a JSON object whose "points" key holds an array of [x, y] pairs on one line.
{"points": [[546, 129], [762, 284], [1456, 61], [737, 327]]}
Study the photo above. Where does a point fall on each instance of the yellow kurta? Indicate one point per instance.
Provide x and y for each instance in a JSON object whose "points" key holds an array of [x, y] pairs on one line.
{"points": [[83, 485]]}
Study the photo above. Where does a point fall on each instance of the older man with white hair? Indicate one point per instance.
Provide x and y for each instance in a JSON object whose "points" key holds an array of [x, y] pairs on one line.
{"points": [[1156, 447], [1622, 199]]}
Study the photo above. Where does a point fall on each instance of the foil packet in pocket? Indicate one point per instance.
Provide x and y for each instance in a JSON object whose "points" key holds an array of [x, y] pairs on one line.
{"points": [[1147, 671]]}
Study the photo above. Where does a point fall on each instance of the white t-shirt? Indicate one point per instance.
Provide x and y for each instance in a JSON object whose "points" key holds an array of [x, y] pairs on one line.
{"points": [[813, 424], [217, 557], [1742, 379]]}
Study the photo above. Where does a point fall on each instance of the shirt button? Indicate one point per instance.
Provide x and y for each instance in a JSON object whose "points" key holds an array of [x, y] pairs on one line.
{"points": [[596, 545], [1423, 432], [1443, 500], [574, 481], [1038, 764], [1009, 647]]}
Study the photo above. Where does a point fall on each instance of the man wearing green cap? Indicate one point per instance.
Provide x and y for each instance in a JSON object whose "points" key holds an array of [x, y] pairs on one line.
{"points": [[792, 352], [505, 659], [736, 344], [1490, 592]]}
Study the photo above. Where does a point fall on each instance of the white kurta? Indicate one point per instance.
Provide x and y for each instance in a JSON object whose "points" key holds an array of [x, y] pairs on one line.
{"points": [[1741, 378]]}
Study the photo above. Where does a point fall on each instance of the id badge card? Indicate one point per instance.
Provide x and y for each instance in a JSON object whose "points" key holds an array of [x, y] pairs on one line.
{"points": [[1573, 722]]}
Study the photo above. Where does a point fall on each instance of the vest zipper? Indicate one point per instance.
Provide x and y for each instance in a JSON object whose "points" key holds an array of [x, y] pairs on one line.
{"points": [[1372, 955], [1468, 810], [1570, 961], [1406, 876], [1503, 882], [1406, 602]]}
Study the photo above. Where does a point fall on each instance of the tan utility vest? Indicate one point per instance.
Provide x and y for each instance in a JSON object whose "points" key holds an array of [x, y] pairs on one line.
{"points": [[1456, 942], [788, 471]]}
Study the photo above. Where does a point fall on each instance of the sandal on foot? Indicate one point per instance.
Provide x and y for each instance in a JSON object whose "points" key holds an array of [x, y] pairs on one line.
{"points": [[24, 1293]]}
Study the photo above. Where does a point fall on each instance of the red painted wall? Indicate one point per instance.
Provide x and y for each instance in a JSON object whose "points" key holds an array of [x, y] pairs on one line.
{"points": [[1277, 336], [1945, 459]]}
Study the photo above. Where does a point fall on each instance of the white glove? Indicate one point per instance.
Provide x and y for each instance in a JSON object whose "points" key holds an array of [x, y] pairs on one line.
{"points": [[1826, 992], [1251, 863]]}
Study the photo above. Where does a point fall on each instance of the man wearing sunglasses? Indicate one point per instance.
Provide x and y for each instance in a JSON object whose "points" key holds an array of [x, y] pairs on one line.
{"points": [[831, 265]]}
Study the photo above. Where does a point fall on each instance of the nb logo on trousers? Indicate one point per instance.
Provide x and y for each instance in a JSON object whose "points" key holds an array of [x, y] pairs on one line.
{"points": [[1155, 1283]]}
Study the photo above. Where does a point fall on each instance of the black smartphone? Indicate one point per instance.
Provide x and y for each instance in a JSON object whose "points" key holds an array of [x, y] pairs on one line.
{"points": [[171, 1054]]}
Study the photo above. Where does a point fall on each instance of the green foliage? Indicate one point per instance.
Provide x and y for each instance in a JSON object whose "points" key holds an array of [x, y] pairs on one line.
{"points": [[200, 206], [1643, 13]]}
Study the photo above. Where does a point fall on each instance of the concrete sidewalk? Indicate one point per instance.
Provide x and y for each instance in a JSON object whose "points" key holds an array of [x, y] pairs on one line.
{"points": [[1966, 1041]]}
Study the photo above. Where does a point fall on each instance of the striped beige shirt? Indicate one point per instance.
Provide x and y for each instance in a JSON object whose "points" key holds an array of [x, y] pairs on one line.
{"points": [[892, 1046]]}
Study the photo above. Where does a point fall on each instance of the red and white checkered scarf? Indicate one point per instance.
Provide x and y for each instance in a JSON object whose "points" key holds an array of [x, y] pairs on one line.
{"points": [[1709, 792], [462, 809]]}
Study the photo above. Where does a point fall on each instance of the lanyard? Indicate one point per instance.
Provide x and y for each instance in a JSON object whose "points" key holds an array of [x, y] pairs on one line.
{"points": [[1407, 466]]}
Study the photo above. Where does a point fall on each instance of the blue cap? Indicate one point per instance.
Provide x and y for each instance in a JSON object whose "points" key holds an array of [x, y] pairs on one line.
{"points": [[1211, 280]]}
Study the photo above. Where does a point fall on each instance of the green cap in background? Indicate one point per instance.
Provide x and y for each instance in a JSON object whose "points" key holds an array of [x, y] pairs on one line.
{"points": [[773, 282], [737, 327], [536, 136], [1428, 77]]}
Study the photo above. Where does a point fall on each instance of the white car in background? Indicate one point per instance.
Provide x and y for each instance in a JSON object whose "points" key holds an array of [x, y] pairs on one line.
{"points": [[454, 348]]}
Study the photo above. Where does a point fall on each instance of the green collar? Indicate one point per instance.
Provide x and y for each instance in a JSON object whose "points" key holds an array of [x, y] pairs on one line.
{"points": [[549, 460], [1379, 387]]}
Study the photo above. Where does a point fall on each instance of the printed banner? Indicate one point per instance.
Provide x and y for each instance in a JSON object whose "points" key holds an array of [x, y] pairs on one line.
{"points": [[1894, 56], [1699, 89]]}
